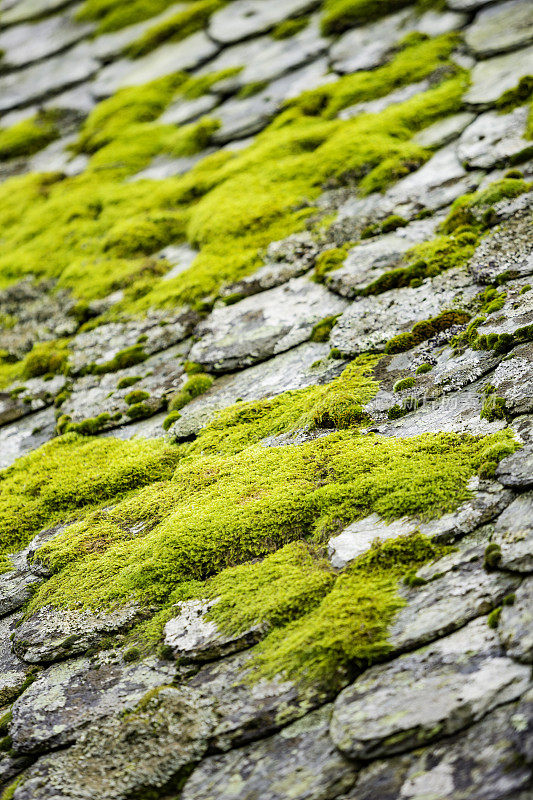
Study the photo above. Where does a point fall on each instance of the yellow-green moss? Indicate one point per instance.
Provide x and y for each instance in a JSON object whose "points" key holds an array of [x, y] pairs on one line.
{"points": [[425, 329], [46, 358], [112, 15], [29, 136], [290, 27]]}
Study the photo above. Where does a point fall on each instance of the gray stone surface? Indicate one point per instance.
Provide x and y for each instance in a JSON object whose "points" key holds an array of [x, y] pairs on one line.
{"points": [[426, 695], [305, 365], [369, 322], [494, 140], [444, 130], [503, 27], [25, 398], [122, 756], [68, 697], [13, 671], [261, 326], [379, 104], [52, 634], [506, 250], [516, 624], [497, 75], [516, 313], [484, 763], [514, 535], [516, 471], [20, 10], [249, 17], [299, 763], [25, 434], [24, 44], [16, 586], [512, 379], [193, 637]]}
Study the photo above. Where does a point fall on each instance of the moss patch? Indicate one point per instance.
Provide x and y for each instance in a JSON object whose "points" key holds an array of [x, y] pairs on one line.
{"points": [[29, 136]]}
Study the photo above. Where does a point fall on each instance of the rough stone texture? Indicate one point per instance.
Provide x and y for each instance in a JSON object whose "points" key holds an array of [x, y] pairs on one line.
{"points": [[259, 327], [120, 756], [25, 435], [23, 44], [67, 697], [299, 763], [506, 250], [52, 634], [369, 322], [514, 534], [13, 671], [192, 637], [506, 26], [516, 471], [426, 695], [512, 379], [249, 17], [485, 763], [444, 131], [516, 624], [497, 75], [494, 140]]}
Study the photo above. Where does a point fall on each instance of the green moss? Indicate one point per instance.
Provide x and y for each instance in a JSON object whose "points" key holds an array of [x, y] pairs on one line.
{"points": [[132, 654], [140, 411], [493, 618], [329, 260], [124, 383], [322, 329], [69, 474], [175, 28], [9, 791], [494, 408], [112, 15], [520, 94], [425, 330], [423, 368], [87, 427], [339, 15], [493, 556], [194, 387], [290, 27], [251, 88], [47, 358], [128, 357], [475, 208], [405, 383], [29, 136], [136, 396]]}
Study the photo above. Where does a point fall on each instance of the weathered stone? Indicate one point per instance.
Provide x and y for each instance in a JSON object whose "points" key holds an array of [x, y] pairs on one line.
{"points": [[26, 434], [512, 379], [305, 365], [249, 17], [51, 634], [184, 55], [506, 250], [516, 624], [444, 130], [13, 671], [458, 590], [484, 763], [503, 27], [67, 697], [370, 322], [36, 393], [372, 258], [497, 75], [16, 586], [514, 535], [117, 758], [379, 104], [358, 537], [183, 111], [241, 118], [58, 158], [426, 695], [10, 767], [192, 637], [157, 331], [249, 707], [263, 325], [494, 140], [39, 81], [516, 313], [22, 10], [516, 470], [108, 46], [24, 44], [179, 256], [299, 763]]}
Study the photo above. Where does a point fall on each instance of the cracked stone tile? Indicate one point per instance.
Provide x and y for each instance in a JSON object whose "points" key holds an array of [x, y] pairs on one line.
{"points": [[23, 44], [512, 379], [52, 634], [499, 28], [108, 46], [426, 695], [192, 637], [243, 117], [372, 258], [121, 756], [21, 10], [486, 762], [157, 331], [507, 249], [516, 471], [369, 322], [517, 311], [513, 533], [182, 111], [13, 671], [458, 590], [68, 697], [444, 130], [246, 18], [305, 365], [491, 78], [185, 55], [251, 708], [263, 325], [38, 81], [26, 434], [488, 500], [265, 59], [516, 624], [298, 763], [161, 376], [494, 140]]}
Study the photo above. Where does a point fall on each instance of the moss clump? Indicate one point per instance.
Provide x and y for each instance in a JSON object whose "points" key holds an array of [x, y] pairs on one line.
{"points": [[322, 329], [136, 396], [405, 383], [290, 27], [87, 427], [140, 411], [329, 260], [493, 618], [69, 474], [520, 94], [493, 557], [29, 136], [475, 208], [423, 368], [47, 358], [112, 15], [175, 28], [194, 387], [494, 408], [132, 654], [125, 383], [128, 357], [424, 330], [339, 15], [251, 88]]}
